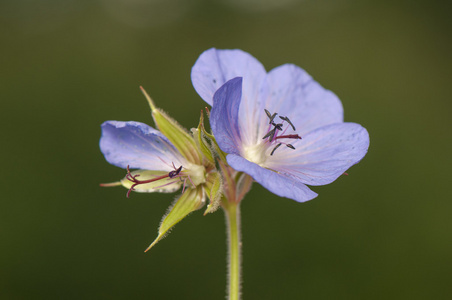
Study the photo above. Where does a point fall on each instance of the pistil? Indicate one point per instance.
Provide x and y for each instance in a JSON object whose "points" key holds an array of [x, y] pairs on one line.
{"points": [[170, 175]]}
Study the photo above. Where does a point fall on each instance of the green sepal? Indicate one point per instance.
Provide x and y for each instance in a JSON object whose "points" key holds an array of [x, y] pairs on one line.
{"points": [[216, 149], [198, 134], [214, 189], [189, 201], [177, 135], [159, 186]]}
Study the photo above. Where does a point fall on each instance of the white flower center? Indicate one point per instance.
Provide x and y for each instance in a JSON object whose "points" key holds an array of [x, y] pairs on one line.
{"points": [[197, 174], [256, 153]]}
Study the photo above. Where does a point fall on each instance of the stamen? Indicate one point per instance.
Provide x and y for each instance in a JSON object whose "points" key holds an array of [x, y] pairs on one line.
{"points": [[288, 121], [270, 133], [273, 135], [163, 185], [191, 181], [289, 136], [277, 126], [276, 147], [278, 129], [270, 116], [173, 174]]}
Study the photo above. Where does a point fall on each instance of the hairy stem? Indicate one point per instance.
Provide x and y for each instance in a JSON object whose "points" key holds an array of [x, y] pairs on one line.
{"points": [[232, 212]]}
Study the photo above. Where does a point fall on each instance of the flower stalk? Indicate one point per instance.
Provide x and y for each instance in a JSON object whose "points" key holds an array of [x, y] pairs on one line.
{"points": [[232, 213]]}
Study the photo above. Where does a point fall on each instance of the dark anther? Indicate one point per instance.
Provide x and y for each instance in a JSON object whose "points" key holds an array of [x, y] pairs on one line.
{"points": [[277, 126], [270, 133], [288, 121], [270, 116], [273, 134], [174, 173], [274, 149], [290, 146]]}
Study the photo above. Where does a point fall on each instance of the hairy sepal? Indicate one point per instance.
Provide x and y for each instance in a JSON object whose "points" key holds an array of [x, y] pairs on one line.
{"points": [[199, 135], [177, 135], [189, 201], [214, 189]]}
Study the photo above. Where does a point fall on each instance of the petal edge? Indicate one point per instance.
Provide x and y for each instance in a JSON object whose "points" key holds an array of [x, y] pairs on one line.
{"points": [[276, 183]]}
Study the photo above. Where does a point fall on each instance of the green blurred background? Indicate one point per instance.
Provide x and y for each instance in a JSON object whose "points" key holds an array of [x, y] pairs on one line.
{"points": [[384, 232]]}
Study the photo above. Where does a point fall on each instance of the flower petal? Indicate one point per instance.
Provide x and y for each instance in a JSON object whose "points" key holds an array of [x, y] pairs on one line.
{"points": [[279, 184], [291, 92], [138, 146], [224, 116], [214, 67], [322, 155]]}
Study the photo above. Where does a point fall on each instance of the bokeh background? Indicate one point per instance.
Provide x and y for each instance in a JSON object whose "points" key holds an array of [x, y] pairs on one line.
{"points": [[383, 232]]}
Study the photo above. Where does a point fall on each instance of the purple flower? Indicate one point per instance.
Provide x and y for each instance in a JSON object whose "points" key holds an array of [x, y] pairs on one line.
{"points": [[167, 159], [282, 128], [161, 167]]}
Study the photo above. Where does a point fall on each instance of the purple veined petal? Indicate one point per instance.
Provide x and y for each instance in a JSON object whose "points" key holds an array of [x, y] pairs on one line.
{"points": [[224, 116], [137, 145], [215, 67], [278, 184], [322, 155], [291, 92]]}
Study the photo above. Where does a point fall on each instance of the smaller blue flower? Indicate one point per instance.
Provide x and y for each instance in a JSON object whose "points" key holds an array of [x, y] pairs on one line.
{"points": [[166, 160], [282, 128]]}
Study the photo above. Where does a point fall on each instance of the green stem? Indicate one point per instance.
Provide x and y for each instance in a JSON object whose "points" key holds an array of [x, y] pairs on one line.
{"points": [[232, 211]]}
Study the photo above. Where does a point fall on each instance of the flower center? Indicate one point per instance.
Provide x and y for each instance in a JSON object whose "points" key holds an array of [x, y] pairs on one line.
{"points": [[276, 134], [274, 138], [256, 153]]}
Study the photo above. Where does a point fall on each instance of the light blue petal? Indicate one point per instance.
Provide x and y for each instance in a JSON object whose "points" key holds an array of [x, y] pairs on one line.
{"points": [[291, 92], [215, 67], [279, 184], [322, 155], [137, 145], [224, 116]]}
